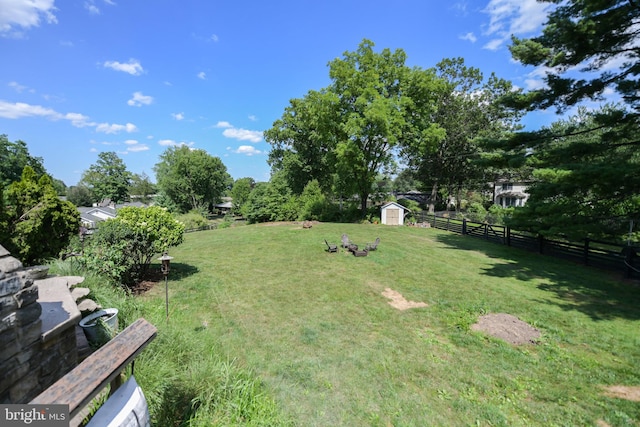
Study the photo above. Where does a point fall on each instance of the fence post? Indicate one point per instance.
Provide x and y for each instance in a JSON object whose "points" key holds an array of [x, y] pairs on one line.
{"points": [[486, 231], [540, 243], [508, 231], [464, 226], [586, 251]]}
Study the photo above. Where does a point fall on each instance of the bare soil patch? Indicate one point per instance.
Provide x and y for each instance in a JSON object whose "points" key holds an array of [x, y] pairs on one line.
{"points": [[508, 328], [399, 302], [152, 278], [631, 393]]}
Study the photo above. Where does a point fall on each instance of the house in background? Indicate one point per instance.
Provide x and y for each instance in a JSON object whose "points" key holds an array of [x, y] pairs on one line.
{"points": [[509, 193], [90, 217], [392, 213]]}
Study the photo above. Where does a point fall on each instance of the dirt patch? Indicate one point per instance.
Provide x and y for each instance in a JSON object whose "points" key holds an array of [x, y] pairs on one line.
{"points": [[623, 392], [508, 328], [399, 302], [151, 279]]}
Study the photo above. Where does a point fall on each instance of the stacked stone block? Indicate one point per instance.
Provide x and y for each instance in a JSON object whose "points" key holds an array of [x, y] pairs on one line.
{"points": [[20, 330], [28, 363]]}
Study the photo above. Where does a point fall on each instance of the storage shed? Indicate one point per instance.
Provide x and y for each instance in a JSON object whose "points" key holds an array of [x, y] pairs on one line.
{"points": [[392, 214]]}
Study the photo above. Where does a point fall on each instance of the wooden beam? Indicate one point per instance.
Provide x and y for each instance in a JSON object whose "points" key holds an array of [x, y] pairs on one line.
{"points": [[78, 387]]}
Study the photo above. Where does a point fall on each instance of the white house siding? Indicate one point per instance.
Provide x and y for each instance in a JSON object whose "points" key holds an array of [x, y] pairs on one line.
{"points": [[507, 194]]}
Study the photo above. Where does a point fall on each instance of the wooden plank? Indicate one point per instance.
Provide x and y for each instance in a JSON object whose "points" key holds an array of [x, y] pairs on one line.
{"points": [[78, 387]]}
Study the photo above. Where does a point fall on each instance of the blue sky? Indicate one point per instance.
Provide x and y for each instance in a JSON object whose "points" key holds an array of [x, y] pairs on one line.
{"points": [[135, 77]]}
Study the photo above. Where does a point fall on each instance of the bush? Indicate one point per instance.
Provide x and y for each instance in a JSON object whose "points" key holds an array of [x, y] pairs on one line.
{"points": [[476, 212], [312, 202], [122, 248], [193, 220]]}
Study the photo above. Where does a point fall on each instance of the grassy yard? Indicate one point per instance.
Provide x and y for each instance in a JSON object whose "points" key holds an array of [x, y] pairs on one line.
{"points": [[266, 328]]}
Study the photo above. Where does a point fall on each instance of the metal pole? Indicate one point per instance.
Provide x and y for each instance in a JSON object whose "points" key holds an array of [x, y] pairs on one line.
{"points": [[166, 294]]}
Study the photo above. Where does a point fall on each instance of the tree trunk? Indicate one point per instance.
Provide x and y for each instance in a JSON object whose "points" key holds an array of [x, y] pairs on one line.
{"points": [[363, 204], [432, 201]]}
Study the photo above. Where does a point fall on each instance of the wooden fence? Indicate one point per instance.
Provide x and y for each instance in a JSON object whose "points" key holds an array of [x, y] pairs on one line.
{"points": [[594, 253]]}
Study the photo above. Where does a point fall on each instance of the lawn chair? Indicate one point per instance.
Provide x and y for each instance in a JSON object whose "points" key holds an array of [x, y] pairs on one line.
{"points": [[331, 247], [345, 241], [372, 246]]}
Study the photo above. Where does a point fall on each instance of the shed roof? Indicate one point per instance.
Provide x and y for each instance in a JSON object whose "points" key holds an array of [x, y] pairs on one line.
{"points": [[390, 204]]}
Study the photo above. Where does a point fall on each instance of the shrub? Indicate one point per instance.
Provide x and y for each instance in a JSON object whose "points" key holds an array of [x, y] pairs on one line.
{"points": [[122, 248], [193, 219], [476, 212]]}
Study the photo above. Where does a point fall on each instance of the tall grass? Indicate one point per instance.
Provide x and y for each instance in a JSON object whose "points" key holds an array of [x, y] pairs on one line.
{"points": [[266, 328]]}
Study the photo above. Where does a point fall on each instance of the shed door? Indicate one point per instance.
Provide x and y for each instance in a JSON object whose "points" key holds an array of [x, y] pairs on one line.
{"points": [[393, 216]]}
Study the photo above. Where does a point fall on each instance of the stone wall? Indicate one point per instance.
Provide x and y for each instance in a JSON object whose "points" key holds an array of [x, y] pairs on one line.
{"points": [[31, 357]]}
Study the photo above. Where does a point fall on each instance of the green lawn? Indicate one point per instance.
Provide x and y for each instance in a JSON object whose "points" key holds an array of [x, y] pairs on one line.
{"points": [[266, 328]]}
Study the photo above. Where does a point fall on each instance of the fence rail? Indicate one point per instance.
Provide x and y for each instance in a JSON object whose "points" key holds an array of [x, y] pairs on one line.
{"points": [[594, 253]]}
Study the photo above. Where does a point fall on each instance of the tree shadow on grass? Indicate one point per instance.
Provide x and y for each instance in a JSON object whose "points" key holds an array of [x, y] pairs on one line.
{"points": [[600, 294]]}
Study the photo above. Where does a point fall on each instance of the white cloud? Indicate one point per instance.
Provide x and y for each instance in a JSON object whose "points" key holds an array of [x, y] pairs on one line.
{"points": [[202, 75], [513, 17], [252, 118], [18, 87], [178, 116], [470, 37], [223, 124], [91, 7], [247, 150], [134, 147], [139, 99], [171, 142], [132, 67], [214, 37], [243, 134], [116, 128], [25, 14], [78, 120], [20, 110]]}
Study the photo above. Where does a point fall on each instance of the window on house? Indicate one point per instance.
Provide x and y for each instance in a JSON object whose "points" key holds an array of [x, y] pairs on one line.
{"points": [[511, 201], [507, 186]]}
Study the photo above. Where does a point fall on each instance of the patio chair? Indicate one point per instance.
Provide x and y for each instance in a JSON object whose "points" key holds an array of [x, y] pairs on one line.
{"points": [[372, 246], [331, 247], [345, 241]]}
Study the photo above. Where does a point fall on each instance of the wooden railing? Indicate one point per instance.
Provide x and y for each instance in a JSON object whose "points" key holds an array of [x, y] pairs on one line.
{"points": [[78, 387]]}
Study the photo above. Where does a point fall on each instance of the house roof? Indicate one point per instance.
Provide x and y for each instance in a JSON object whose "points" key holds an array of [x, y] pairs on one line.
{"points": [[516, 194]]}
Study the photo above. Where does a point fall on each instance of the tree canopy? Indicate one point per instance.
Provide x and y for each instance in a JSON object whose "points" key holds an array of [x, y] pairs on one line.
{"points": [[590, 49], [191, 179], [464, 107], [14, 157], [108, 178], [348, 133], [35, 224]]}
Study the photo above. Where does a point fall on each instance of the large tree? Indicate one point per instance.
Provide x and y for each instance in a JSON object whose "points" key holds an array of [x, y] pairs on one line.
{"points": [[14, 157], [589, 49], [36, 224], [108, 178], [370, 113], [240, 193], [465, 108], [347, 134], [304, 139], [571, 193], [141, 187], [191, 179]]}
